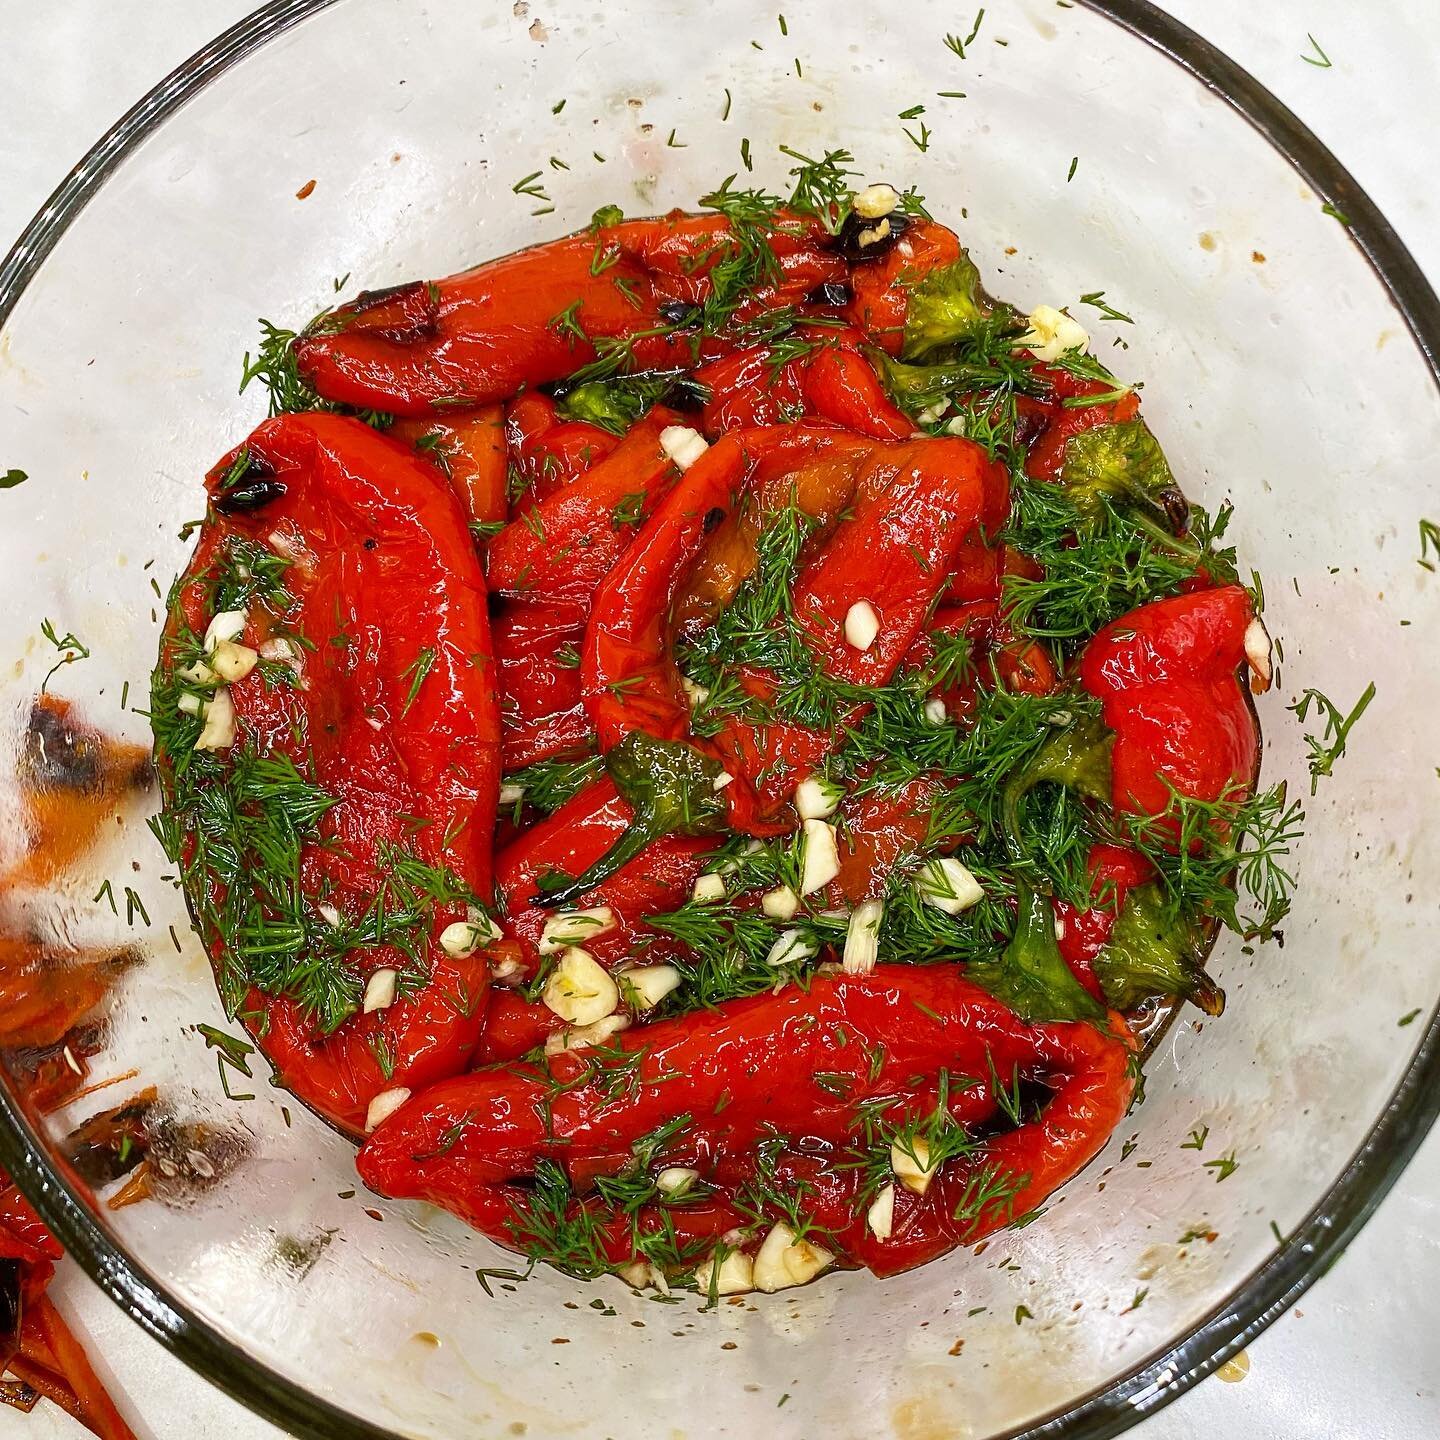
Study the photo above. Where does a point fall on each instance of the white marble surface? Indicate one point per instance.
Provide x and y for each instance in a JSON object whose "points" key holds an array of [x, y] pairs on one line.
{"points": [[1358, 1356]]}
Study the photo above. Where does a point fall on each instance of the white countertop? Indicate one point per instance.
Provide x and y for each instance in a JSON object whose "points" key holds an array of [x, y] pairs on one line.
{"points": [[1358, 1356]]}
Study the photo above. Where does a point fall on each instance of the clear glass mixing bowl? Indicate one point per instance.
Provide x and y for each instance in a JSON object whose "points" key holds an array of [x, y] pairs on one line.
{"points": [[1081, 158]]}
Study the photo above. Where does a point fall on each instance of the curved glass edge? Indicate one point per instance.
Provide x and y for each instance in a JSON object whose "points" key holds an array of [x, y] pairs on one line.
{"points": [[1265, 1295]]}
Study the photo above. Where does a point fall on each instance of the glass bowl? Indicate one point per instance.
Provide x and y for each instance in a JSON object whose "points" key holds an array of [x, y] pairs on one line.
{"points": [[1288, 342]]}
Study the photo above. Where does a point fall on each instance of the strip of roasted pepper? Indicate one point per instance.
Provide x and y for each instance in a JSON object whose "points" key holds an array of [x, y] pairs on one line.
{"points": [[745, 1074], [358, 733]]}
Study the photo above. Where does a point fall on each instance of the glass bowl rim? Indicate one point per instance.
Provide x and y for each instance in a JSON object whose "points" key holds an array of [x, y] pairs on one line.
{"points": [[1271, 1289]]}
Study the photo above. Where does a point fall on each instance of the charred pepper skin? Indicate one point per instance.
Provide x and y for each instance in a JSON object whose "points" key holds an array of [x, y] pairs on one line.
{"points": [[374, 535], [745, 1072]]}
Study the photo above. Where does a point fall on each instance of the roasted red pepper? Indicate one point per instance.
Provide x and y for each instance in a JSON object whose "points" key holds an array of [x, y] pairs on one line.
{"points": [[747, 1075], [881, 294], [36, 1345], [470, 449], [392, 716], [834, 382], [535, 316], [1046, 453], [1167, 675], [1083, 934], [549, 453], [537, 650], [913, 505], [567, 843], [565, 545]]}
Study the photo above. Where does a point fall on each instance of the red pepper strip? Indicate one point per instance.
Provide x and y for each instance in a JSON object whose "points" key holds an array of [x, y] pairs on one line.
{"points": [[541, 712], [834, 383], [768, 762], [879, 827], [97, 1409], [914, 504], [1021, 665], [745, 1072], [1083, 934], [470, 449], [1046, 453], [514, 1026], [568, 542], [22, 1226], [839, 384], [549, 453], [681, 250], [578, 833], [881, 297], [627, 674], [748, 389], [1166, 675], [376, 537], [480, 336]]}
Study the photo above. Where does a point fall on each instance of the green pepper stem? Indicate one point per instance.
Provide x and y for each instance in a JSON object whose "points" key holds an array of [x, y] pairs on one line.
{"points": [[637, 836]]}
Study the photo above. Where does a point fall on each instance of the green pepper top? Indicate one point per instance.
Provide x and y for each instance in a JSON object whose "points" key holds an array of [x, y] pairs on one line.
{"points": [[1122, 465], [670, 786]]}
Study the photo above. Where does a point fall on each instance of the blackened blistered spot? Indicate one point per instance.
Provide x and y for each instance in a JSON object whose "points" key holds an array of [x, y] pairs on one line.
{"points": [[680, 313], [371, 543], [1029, 422], [832, 292], [249, 495], [713, 519], [860, 239], [60, 754], [373, 299]]}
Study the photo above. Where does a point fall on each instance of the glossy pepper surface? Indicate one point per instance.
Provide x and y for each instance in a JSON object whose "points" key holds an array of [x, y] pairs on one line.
{"points": [[745, 1073], [1167, 676], [394, 716]]}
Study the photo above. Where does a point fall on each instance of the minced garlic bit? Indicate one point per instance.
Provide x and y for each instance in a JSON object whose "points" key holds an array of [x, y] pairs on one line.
{"points": [[383, 1106], [1257, 655], [380, 990], [822, 857], [948, 885], [580, 990], [683, 445], [676, 1179], [645, 986], [817, 799], [936, 713], [1052, 332], [874, 202], [862, 625], [232, 662], [465, 937], [219, 731], [862, 938], [781, 903], [880, 1217], [735, 1276], [227, 625], [783, 1261], [791, 948], [573, 927], [708, 888], [912, 1165]]}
